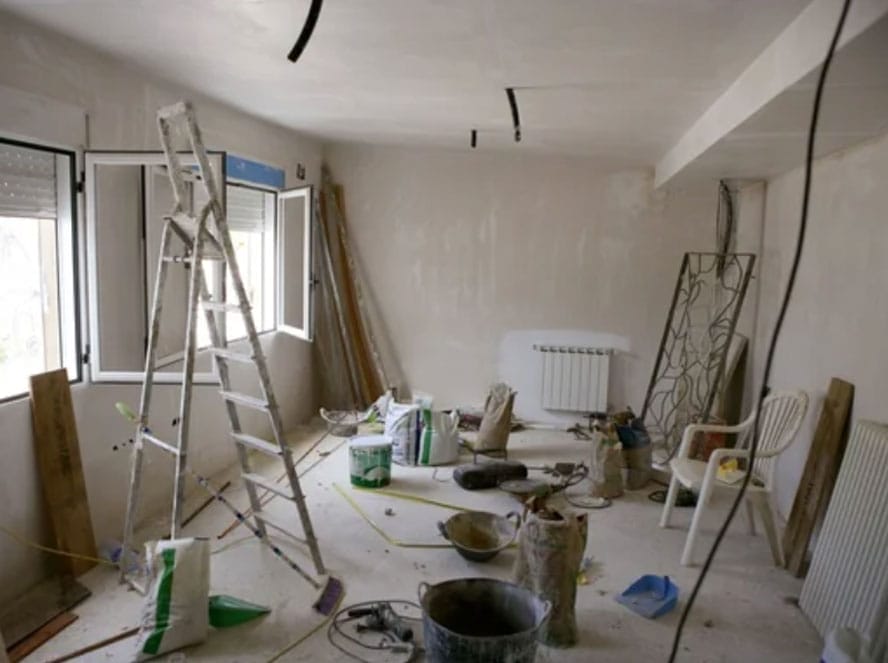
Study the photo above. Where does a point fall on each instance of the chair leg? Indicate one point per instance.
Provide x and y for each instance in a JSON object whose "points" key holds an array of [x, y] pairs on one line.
{"points": [[750, 515], [766, 511], [702, 501], [671, 495]]}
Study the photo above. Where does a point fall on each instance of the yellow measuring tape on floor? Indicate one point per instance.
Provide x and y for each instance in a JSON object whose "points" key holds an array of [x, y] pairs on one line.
{"points": [[382, 532]]}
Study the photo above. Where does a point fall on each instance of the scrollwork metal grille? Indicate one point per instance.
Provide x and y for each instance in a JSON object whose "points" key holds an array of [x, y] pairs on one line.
{"points": [[690, 363]]}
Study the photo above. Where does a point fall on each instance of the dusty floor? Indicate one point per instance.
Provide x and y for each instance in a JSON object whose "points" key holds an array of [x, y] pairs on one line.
{"points": [[744, 613]]}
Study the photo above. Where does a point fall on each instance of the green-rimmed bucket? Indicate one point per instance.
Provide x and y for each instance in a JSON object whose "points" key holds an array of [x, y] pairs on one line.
{"points": [[370, 461]]}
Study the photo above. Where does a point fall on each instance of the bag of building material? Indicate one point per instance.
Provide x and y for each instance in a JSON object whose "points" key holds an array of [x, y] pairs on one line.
{"points": [[403, 426], [493, 433], [606, 469], [439, 442], [637, 457], [550, 550], [175, 612]]}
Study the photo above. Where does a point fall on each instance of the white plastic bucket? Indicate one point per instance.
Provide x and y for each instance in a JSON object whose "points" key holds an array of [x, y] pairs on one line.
{"points": [[370, 461]]}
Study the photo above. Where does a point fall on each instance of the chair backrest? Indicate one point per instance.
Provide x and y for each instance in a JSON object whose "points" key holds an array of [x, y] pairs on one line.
{"points": [[781, 417]]}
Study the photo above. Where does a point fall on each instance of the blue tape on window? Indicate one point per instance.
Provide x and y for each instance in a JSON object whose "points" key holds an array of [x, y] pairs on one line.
{"points": [[246, 170]]}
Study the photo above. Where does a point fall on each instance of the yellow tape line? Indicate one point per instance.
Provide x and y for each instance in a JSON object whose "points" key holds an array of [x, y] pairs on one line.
{"points": [[412, 498], [382, 532]]}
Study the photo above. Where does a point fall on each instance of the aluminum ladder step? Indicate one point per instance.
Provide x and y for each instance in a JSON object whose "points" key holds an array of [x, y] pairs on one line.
{"points": [[279, 525], [264, 482], [259, 444], [231, 355], [243, 399], [156, 441], [222, 307]]}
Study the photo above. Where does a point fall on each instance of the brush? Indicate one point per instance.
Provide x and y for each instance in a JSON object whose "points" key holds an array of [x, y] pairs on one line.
{"points": [[330, 593]]}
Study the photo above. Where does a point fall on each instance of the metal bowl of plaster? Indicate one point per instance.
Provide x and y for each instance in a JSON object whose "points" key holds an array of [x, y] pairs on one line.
{"points": [[479, 535]]}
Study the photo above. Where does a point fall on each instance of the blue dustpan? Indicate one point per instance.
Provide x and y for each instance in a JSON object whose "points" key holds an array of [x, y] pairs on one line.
{"points": [[650, 596]]}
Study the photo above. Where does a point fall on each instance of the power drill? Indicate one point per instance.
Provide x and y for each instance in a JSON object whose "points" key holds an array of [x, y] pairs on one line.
{"points": [[382, 618]]}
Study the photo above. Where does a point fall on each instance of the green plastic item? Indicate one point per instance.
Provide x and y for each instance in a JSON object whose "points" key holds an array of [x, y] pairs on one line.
{"points": [[228, 611]]}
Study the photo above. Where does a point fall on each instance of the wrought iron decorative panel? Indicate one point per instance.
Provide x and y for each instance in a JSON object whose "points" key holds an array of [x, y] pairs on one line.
{"points": [[690, 363]]}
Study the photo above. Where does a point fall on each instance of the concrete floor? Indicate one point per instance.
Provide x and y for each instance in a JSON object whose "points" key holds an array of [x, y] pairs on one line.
{"points": [[745, 612]]}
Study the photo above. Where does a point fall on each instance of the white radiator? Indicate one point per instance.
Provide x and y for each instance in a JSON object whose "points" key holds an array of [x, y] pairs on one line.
{"points": [[574, 378], [847, 584]]}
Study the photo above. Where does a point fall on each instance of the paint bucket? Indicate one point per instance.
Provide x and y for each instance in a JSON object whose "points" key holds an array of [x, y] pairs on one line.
{"points": [[481, 619], [370, 461]]}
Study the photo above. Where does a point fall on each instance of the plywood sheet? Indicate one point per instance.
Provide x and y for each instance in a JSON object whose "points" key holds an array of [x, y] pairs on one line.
{"points": [[821, 469], [61, 472]]}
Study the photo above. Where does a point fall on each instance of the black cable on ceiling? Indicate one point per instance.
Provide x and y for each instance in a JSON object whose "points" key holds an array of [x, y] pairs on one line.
{"points": [[513, 104], [474, 138], [313, 12], [778, 325]]}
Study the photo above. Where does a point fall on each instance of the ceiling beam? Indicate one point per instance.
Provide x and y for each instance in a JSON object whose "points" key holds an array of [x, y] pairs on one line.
{"points": [[795, 53]]}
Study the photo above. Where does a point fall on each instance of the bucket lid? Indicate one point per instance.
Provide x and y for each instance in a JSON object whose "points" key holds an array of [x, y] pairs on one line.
{"points": [[369, 442]]}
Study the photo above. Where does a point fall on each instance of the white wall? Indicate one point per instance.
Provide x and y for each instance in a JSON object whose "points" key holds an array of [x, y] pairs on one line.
{"points": [[48, 84], [463, 250], [837, 320]]}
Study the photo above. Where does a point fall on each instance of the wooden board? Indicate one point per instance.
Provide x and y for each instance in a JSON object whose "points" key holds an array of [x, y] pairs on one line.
{"points": [[41, 635], [61, 473], [38, 606], [821, 468]]}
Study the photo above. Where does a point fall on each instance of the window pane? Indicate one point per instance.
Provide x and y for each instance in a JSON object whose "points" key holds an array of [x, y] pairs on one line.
{"points": [[251, 223], [29, 328]]}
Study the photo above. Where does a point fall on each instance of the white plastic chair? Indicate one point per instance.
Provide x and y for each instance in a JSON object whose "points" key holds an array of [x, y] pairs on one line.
{"points": [[782, 415]]}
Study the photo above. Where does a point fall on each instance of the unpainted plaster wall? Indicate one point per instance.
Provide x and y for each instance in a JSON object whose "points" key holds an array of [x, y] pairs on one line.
{"points": [[837, 320], [48, 84], [466, 252]]}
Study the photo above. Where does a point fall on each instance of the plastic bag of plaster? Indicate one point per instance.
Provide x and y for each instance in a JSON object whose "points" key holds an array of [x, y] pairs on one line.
{"points": [[439, 442], [403, 426], [175, 612]]}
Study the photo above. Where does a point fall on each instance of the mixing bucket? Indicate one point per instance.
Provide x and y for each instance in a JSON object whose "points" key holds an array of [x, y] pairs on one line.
{"points": [[469, 620]]}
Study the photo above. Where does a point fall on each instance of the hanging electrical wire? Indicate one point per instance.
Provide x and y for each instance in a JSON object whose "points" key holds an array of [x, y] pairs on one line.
{"points": [[778, 325], [310, 21], [513, 104]]}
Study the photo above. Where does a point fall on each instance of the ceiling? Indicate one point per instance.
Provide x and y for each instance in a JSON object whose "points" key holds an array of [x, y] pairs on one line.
{"points": [[773, 140], [619, 80]]}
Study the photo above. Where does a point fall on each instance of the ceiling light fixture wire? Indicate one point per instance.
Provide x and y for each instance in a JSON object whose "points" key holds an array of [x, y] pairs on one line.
{"points": [[800, 243], [513, 104], [313, 12]]}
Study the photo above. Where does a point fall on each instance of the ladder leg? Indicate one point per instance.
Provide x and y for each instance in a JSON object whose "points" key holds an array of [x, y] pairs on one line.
{"points": [[194, 291], [132, 500], [268, 393], [132, 505], [230, 408]]}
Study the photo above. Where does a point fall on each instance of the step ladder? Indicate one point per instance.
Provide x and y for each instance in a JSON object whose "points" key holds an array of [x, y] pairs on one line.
{"points": [[206, 237]]}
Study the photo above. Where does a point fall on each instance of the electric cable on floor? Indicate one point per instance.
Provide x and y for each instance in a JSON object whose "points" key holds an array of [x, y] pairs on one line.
{"points": [[778, 325]]}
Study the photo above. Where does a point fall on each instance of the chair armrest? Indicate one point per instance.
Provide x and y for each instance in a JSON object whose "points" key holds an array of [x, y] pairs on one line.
{"points": [[693, 429], [720, 454]]}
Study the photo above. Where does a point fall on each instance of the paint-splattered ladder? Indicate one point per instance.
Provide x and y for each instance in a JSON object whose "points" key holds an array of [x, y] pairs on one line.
{"points": [[206, 237]]}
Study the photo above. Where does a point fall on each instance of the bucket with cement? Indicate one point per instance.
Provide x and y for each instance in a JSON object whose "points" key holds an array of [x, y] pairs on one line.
{"points": [[480, 619], [370, 461]]}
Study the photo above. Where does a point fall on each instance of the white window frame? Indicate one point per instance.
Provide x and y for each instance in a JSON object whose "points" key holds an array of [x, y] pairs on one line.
{"points": [[93, 158], [67, 261], [307, 194]]}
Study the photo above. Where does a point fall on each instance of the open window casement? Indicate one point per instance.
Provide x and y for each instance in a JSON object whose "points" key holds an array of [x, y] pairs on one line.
{"points": [[127, 196], [295, 273]]}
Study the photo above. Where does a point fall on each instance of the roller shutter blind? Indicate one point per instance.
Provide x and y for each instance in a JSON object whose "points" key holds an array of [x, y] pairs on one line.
{"points": [[246, 209], [27, 182]]}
